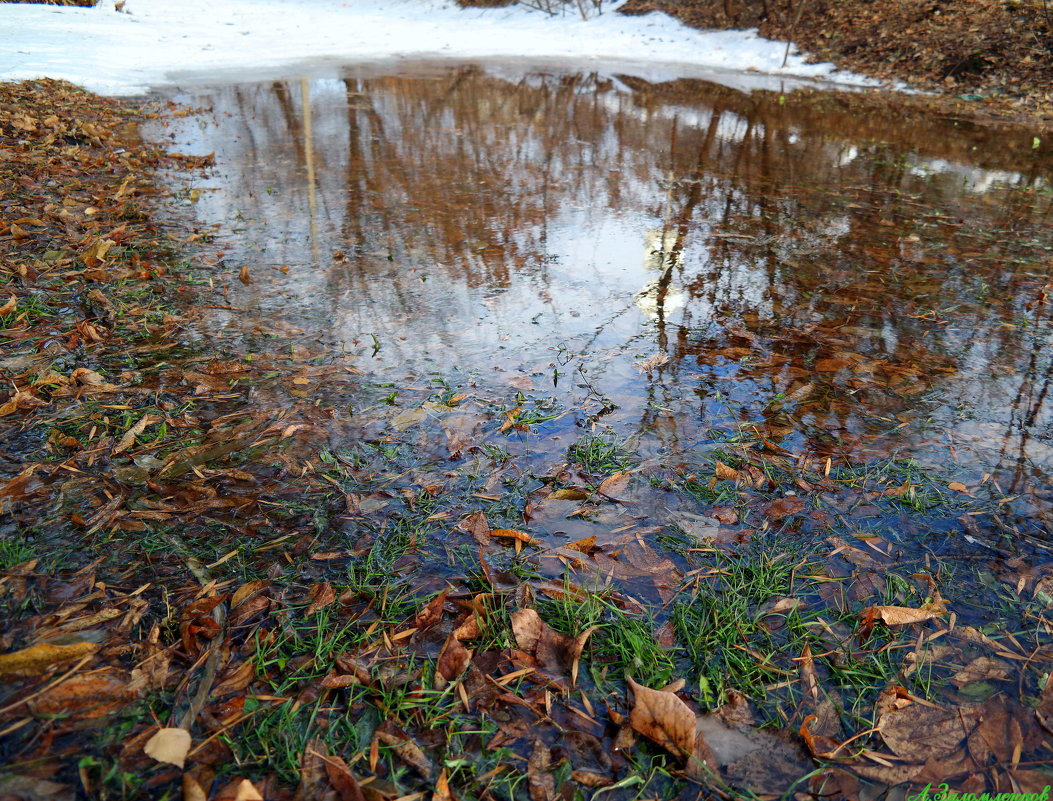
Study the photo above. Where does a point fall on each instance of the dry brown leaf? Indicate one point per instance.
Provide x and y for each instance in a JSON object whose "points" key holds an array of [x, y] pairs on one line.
{"points": [[477, 526], [128, 439], [19, 401], [615, 486], [192, 790], [442, 790], [342, 779], [541, 783], [247, 591], [902, 615], [666, 720], [919, 732], [586, 545], [10, 305], [725, 473], [432, 612], [235, 680], [527, 626], [591, 779], [322, 595], [784, 507], [408, 751], [982, 668], [170, 745], [453, 659], [37, 659], [725, 515]]}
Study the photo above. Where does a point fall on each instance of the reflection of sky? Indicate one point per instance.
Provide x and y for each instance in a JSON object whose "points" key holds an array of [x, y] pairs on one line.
{"points": [[488, 225]]}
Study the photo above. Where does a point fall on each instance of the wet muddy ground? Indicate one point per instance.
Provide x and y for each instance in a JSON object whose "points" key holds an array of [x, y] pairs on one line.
{"points": [[499, 391]]}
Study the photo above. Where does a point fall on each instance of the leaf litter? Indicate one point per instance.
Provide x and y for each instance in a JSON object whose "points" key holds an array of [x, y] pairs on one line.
{"points": [[234, 609]]}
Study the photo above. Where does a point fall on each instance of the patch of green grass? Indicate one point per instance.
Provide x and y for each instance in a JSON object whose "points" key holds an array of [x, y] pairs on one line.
{"points": [[600, 454], [14, 550]]}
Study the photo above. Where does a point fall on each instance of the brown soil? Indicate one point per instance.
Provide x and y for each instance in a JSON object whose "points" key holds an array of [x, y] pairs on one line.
{"points": [[988, 56]]}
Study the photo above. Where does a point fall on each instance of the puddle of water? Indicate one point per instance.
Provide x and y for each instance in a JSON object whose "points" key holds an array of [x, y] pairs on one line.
{"points": [[687, 265]]}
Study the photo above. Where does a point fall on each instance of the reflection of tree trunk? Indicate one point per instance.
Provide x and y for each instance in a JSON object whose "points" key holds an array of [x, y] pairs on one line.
{"points": [[1025, 410], [308, 149], [292, 122]]}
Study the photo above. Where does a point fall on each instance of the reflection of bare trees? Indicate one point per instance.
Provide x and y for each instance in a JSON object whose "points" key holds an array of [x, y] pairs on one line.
{"points": [[832, 284]]}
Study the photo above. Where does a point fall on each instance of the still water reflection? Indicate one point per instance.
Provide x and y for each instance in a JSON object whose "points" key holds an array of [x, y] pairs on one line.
{"points": [[841, 278]]}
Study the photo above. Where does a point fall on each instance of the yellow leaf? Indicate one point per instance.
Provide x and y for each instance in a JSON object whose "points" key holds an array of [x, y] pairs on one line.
{"points": [[511, 533], [36, 659]]}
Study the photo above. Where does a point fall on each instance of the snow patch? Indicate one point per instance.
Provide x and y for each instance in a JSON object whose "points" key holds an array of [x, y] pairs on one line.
{"points": [[153, 44]]}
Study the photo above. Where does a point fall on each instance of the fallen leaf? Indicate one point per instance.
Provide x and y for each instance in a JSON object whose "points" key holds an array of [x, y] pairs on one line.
{"points": [[511, 533], [902, 615], [725, 473], [192, 790], [957, 486], [453, 659], [322, 595], [432, 613], [586, 545], [541, 783], [919, 732], [666, 720], [128, 439], [407, 418], [568, 494], [248, 591], [615, 486], [784, 507], [526, 627], [19, 401], [342, 779], [36, 659], [982, 668], [408, 751], [169, 745]]}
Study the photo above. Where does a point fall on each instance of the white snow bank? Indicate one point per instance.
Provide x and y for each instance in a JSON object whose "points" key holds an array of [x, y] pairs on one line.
{"points": [[156, 43]]}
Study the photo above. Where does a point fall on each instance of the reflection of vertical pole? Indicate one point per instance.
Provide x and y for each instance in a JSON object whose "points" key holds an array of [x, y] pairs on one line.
{"points": [[308, 149]]}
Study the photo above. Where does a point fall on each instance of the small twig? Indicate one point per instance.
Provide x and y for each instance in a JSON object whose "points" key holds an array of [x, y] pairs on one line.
{"points": [[793, 32]]}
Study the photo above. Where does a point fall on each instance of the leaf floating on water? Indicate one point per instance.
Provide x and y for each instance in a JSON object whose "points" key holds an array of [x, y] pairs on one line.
{"points": [[615, 486], [650, 364], [957, 486], [568, 494], [784, 507], [169, 745], [244, 275], [408, 417]]}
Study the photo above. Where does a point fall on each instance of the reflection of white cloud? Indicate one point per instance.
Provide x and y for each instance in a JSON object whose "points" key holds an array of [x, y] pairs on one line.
{"points": [[973, 179], [653, 296]]}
